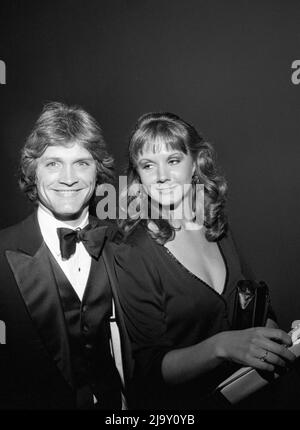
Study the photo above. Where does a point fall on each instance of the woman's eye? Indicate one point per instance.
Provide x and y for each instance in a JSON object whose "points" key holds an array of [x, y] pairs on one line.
{"points": [[83, 163], [147, 166], [174, 161]]}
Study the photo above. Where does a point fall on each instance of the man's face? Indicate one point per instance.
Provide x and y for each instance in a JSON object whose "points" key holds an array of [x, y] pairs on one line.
{"points": [[66, 180]]}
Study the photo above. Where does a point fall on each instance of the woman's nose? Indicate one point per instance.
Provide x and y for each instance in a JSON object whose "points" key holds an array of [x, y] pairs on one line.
{"points": [[162, 173]]}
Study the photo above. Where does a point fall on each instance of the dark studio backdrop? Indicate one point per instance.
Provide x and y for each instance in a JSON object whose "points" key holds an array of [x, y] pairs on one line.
{"points": [[225, 66]]}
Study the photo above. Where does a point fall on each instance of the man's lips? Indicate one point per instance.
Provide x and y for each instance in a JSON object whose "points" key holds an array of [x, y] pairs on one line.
{"points": [[67, 193]]}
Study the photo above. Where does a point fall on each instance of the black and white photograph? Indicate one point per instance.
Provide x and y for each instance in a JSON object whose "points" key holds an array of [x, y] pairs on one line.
{"points": [[149, 237]]}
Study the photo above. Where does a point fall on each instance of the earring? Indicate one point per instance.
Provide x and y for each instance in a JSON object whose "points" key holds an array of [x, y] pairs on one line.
{"points": [[195, 179]]}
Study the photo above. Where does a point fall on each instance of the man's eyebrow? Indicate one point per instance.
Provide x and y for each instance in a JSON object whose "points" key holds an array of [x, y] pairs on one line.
{"points": [[90, 157], [49, 157]]}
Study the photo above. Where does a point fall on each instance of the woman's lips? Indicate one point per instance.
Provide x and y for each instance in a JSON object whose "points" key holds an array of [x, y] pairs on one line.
{"points": [[167, 188]]}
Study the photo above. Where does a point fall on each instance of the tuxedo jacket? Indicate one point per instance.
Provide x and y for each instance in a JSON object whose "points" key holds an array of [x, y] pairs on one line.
{"points": [[35, 362]]}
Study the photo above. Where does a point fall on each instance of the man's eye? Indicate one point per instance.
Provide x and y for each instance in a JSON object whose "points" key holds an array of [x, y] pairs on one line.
{"points": [[83, 163], [52, 164]]}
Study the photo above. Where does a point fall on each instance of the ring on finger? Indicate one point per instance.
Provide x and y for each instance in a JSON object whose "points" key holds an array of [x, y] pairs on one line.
{"points": [[264, 356]]}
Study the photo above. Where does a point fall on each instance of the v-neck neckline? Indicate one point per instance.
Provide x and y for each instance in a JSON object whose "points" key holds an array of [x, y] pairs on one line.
{"points": [[185, 269]]}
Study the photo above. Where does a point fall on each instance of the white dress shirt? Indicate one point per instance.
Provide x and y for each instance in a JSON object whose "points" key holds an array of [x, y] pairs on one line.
{"points": [[77, 267]]}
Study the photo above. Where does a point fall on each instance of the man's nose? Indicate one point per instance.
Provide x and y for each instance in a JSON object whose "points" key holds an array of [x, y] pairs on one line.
{"points": [[68, 176], [162, 173]]}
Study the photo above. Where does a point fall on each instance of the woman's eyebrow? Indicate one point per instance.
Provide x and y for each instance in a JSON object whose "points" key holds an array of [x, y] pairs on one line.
{"points": [[143, 160], [175, 154], [178, 153]]}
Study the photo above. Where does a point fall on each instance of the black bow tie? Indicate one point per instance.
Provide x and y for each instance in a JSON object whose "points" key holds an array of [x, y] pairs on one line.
{"points": [[92, 237]]}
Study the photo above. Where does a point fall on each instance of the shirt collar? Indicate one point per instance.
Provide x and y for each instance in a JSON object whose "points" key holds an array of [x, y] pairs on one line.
{"points": [[49, 224]]}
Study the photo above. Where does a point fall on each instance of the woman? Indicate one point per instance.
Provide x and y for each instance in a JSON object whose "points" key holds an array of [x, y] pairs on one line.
{"points": [[178, 270]]}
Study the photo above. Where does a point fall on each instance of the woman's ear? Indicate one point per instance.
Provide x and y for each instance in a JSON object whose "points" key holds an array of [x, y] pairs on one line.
{"points": [[194, 168]]}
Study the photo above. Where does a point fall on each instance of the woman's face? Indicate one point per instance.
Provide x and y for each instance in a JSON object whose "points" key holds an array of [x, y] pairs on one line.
{"points": [[165, 174]]}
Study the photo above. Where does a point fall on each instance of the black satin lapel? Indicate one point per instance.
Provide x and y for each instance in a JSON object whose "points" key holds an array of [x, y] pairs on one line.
{"points": [[36, 282]]}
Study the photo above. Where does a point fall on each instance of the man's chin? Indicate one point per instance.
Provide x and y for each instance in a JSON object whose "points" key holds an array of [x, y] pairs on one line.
{"points": [[66, 216], [65, 213]]}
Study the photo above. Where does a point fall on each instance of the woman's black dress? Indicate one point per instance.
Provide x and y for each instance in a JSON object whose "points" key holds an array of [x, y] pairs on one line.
{"points": [[167, 307]]}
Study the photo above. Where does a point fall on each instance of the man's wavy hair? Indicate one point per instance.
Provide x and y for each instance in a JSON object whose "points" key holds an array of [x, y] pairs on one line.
{"points": [[60, 124], [150, 130]]}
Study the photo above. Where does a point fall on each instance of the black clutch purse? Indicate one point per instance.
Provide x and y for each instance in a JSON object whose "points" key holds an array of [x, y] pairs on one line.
{"points": [[251, 304]]}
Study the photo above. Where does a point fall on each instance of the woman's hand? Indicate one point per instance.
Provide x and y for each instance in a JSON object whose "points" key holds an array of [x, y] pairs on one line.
{"points": [[259, 347]]}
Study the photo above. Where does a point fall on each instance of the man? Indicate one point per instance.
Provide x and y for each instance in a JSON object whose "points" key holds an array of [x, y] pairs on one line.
{"points": [[56, 297]]}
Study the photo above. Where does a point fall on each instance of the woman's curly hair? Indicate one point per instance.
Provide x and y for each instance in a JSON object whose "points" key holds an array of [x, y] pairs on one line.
{"points": [[60, 124], [177, 134]]}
